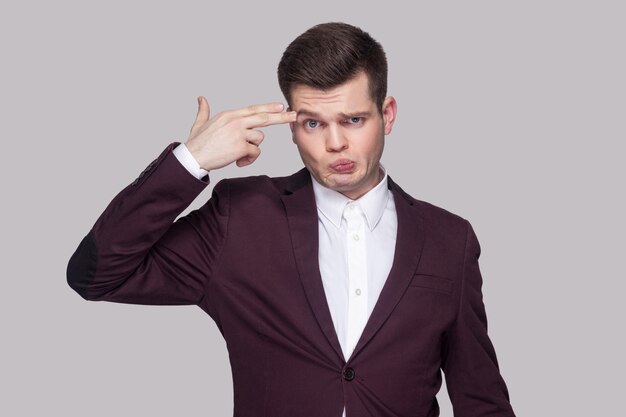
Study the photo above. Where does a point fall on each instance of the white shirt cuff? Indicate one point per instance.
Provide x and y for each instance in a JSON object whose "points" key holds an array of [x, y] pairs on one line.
{"points": [[188, 161]]}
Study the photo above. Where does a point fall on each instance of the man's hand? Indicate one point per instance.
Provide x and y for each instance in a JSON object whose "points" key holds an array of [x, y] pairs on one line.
{"points": [[231, 135]]}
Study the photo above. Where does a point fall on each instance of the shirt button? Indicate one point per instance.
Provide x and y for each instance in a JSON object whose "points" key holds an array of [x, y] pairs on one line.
{"points": [[349, 374], [357, 291], [355, 237]]}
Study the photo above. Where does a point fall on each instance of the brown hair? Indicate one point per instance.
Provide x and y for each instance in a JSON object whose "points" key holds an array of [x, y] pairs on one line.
{"points": [[330, 54]]}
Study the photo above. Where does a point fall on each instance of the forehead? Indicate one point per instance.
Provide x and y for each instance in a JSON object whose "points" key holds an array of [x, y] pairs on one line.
{"points": [[353, 95]]}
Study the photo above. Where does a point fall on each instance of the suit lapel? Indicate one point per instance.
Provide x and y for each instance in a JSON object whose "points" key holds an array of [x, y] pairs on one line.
{"points": [[409, 243], [299, 202]]}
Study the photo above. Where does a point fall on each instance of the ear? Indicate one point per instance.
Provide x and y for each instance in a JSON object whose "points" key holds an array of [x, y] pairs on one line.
{"points": [[390, 110]]}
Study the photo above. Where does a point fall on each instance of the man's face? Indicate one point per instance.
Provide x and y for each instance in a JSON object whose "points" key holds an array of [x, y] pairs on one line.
{"points": [[340, 134]]}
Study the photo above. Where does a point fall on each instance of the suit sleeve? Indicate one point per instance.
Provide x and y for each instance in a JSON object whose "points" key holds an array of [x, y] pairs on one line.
{"points": [[137, 253], [473, 379]]}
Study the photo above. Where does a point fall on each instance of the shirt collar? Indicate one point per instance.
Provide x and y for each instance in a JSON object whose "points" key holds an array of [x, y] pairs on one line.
{"points": [[331, 203]]}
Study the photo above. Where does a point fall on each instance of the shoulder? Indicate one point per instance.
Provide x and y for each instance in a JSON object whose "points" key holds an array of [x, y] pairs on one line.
{"points": [[435, 220], [256, 184], [256, 192], [266, 184]]}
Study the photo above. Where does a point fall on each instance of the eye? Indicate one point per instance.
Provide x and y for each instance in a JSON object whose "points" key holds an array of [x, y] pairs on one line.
{"points": [[311, 124], [355, 120]]}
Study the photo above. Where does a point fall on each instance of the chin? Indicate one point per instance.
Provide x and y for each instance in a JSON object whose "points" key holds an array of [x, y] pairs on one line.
{"points": [[344, 187], [340, 182]]}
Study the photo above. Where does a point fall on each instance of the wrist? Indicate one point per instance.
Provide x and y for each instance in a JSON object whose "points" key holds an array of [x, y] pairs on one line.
{"points": [[189, 161]]}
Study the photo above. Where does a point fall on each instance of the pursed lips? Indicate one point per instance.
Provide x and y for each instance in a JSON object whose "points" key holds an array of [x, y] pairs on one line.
{"points": [[342, 165]]}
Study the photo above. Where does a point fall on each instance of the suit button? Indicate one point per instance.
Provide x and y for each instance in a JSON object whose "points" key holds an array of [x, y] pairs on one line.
{"points": [[348, 374]]}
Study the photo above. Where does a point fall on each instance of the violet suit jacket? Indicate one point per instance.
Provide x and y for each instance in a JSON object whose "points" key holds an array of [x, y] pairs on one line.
{"points": [[249, 259]]}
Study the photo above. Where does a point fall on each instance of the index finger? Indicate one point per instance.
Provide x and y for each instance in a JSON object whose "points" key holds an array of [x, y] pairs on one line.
{"points": [[268, 119], [274, 107]]}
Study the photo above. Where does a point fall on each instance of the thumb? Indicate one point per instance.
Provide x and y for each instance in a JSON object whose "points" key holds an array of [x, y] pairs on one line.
{"points": [[203, 112]]}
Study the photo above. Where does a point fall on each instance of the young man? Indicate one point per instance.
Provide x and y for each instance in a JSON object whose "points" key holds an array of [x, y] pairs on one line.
{"points": [[336, 292]]}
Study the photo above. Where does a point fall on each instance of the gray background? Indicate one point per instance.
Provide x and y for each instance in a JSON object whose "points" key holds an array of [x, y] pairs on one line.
{"points": [[510, 114]]}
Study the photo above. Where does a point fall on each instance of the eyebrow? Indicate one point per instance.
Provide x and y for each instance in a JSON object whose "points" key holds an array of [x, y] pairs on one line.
{"points": [[309, 113]]}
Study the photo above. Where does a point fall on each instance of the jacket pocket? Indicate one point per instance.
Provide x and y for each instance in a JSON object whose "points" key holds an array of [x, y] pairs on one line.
{"points": [[432, 282]]}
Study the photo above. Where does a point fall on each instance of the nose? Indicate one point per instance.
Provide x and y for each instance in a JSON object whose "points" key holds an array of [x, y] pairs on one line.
{"points": [[335, 140]]}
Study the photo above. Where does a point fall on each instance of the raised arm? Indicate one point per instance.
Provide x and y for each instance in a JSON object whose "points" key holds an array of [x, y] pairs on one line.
{"points": [[135, 252]]}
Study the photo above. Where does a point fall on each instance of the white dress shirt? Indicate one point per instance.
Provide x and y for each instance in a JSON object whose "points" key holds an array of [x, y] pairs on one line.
{"points": [[356, 246], [357, 240]]}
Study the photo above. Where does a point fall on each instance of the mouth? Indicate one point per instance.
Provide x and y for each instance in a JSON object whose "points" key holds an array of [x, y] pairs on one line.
{"points": [[342, 165]]}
